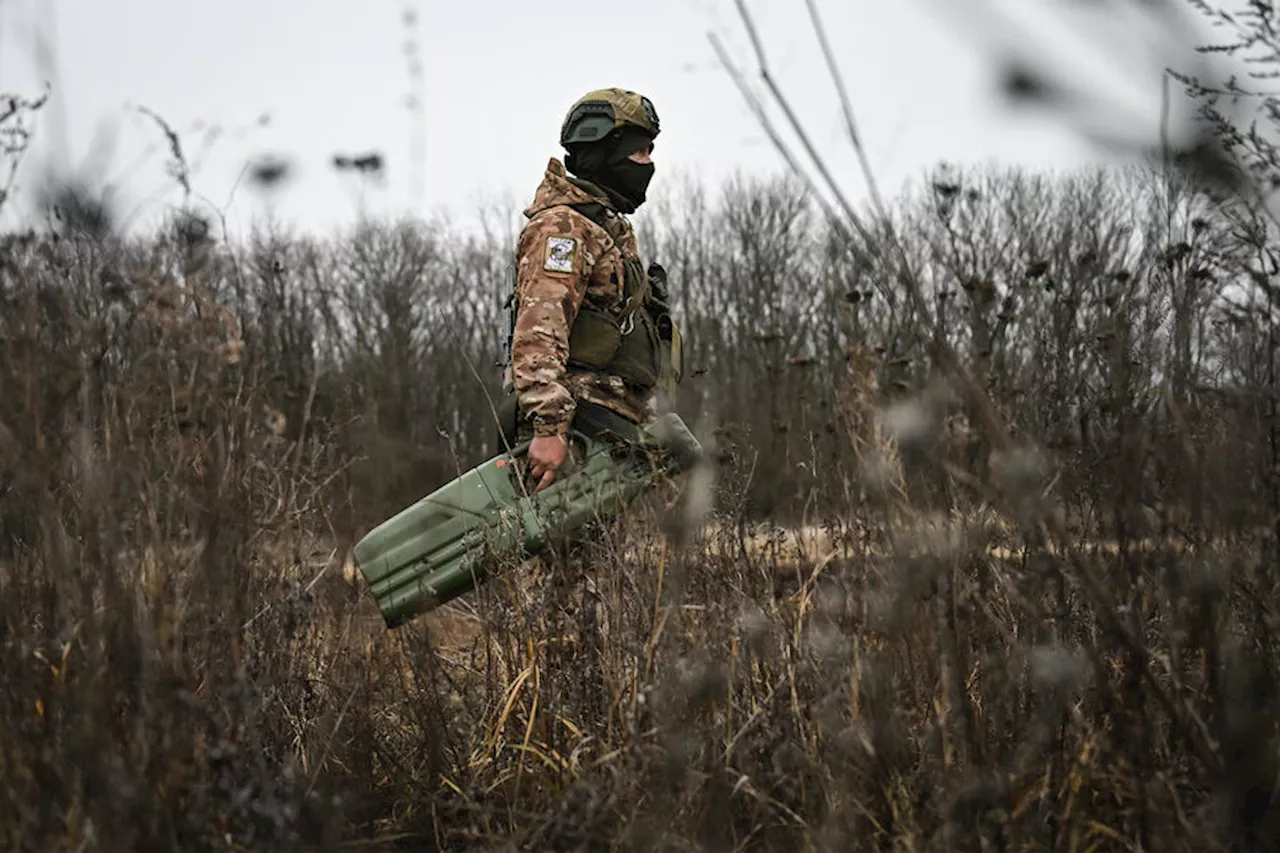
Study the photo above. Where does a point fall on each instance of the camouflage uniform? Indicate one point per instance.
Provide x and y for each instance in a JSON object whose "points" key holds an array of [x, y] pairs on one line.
{"points": [[563, 257], [592, 340], [574, 269]]}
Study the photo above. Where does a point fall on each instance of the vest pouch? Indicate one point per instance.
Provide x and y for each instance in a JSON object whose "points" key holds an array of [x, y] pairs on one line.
{"points": [[594, 338], [637, 359]]}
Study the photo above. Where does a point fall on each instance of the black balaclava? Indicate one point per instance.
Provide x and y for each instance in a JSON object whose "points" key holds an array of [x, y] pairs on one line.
{"points": [[605, 164]]}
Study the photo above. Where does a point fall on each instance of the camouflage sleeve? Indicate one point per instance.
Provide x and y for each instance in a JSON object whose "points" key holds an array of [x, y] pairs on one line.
{"points": [[553, 269]]}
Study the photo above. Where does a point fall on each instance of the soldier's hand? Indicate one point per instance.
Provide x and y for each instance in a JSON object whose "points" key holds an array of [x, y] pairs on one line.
{"points": [[546, 454]]}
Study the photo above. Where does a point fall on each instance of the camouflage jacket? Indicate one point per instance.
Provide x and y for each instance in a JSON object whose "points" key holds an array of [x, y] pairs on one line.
{"points": [[563, 257]]}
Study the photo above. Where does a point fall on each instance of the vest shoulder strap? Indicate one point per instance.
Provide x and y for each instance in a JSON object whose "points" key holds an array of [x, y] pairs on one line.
{"points": [[593, 210]]}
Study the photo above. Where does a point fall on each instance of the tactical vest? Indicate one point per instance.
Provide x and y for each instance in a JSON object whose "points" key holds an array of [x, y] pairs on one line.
{"points": [[638, 340]]}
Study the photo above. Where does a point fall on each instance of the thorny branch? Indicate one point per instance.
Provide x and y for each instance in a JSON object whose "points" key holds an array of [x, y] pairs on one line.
{"points": [[15, 134]]}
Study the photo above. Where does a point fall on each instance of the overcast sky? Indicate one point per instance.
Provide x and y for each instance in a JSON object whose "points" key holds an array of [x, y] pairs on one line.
{"points": [[305, 79]]}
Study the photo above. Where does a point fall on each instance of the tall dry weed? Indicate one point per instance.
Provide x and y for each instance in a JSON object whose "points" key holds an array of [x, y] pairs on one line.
{"points": [[865, 627]]}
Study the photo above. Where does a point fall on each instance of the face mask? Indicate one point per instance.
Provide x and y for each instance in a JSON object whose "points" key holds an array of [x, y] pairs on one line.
{"points": [[624, 179], [629, 179]]}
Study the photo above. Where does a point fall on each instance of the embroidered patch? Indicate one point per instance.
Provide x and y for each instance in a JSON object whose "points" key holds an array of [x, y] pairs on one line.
{"points": [[560, 253]]}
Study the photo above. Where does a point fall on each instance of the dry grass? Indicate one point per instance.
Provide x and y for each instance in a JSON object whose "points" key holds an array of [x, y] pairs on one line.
{"points": [[932, 648]]}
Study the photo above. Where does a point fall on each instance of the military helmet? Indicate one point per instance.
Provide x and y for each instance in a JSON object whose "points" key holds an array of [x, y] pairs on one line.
{"points": [[596, 114]]}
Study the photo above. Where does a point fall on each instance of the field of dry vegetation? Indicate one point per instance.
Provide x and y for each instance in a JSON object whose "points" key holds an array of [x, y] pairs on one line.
{"points": [[1009, 587], [1063, 643]]}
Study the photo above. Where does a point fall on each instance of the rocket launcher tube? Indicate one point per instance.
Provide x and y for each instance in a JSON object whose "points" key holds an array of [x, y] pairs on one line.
{"points": [[450, 541]]}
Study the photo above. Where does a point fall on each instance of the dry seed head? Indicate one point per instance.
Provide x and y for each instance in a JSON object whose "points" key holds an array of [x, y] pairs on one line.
{"points": [[788, 759], [854, 743], [831, 712], [679, 749], [978, 795], [877, 469], [1057, 668], [887, 607], [700, 679], [827, 643], [754, 626], [1020, 472], [830, 601], [907, 422]]}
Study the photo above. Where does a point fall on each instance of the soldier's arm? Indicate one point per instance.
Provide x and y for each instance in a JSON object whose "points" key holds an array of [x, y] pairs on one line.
{"points": [[553, 269]]}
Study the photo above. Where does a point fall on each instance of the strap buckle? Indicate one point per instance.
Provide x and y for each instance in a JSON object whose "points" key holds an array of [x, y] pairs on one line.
{"points": [[629, 321]]}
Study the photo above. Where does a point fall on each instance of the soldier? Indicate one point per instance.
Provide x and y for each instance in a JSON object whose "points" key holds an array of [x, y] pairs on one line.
{"points": [[591, 339]]}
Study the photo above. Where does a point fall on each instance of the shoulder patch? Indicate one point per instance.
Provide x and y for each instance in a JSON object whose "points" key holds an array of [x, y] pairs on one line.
{"points": [[560, 254]]}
